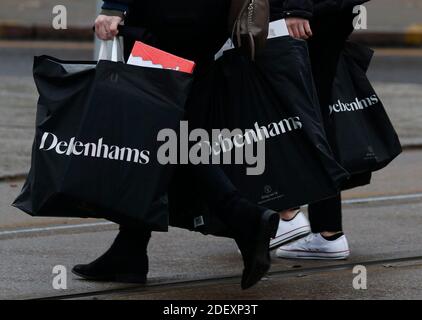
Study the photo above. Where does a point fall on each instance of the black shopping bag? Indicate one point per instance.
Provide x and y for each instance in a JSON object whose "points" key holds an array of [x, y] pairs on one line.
{"points": [[364, 138], [95, 148], [275, 92]]}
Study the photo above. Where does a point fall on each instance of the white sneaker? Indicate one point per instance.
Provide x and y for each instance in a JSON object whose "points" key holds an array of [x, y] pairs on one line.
{"points": [[291, 230], [316, 247]]}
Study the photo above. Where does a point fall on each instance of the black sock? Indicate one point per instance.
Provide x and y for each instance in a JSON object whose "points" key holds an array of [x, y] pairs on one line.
{"points": [[333, 237]]}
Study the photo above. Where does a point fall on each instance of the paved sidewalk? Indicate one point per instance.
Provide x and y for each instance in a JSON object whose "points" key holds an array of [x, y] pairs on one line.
{"points": [[394, 22], [378, 232], [383, 15], [40, 12], [393, 15]]}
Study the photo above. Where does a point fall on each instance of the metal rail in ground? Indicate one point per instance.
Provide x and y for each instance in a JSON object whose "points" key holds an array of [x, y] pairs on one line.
{"points": [[98, 225], [163, 287]]}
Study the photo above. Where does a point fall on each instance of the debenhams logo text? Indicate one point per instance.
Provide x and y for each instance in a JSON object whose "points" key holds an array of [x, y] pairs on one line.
{"points": [[49, 141], [355, 105]]}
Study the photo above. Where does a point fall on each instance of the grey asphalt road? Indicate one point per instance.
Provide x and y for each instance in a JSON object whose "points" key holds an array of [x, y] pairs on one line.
{"points": [[30, 12], [383, 15], [377, 230], [396, 65], [16, 57], [383, 225]]}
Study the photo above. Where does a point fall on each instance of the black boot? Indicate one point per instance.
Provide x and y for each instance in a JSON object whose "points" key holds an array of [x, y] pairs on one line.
{"points": [[126, 261], [253, 227], [255, 249]]}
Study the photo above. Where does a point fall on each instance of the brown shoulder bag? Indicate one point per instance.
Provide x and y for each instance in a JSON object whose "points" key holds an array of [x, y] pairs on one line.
{"points": [[249, 21]]}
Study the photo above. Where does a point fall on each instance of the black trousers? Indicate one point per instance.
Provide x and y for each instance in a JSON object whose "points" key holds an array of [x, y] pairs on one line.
{"points": [[330, 34], [195, 30]]}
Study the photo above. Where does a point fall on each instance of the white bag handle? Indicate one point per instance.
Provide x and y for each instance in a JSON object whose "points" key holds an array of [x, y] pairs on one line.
{"points": [[116, 51]]}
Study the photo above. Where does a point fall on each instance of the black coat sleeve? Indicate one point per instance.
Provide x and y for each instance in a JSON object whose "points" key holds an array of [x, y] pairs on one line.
{"points": [[125, 2], [291, 8], [121, 5], [309, 8], [324, 7]]}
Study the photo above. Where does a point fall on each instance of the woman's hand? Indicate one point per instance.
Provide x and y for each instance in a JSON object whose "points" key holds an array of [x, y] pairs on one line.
{"points": [[106, 26], [299, 28]]}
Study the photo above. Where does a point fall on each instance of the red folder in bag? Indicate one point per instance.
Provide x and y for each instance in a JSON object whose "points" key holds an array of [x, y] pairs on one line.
{"points": [[146, 56]]}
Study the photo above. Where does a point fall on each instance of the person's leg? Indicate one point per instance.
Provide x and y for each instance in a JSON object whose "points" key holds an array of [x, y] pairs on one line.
{"points": [[324, 56], [224, 199], [326, 216], [125, 261], [327, 240], [293, 225], [325, 50], [252, 226]]}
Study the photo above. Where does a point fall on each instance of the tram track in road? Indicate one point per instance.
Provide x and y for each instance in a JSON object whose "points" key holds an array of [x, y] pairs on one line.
{"points": [[279, 273], [400, 199], [227, 280]]}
